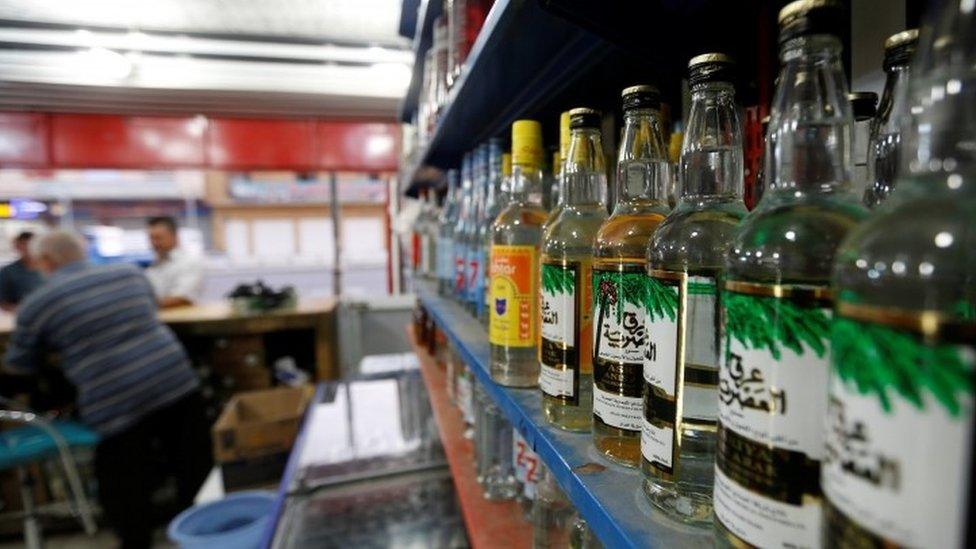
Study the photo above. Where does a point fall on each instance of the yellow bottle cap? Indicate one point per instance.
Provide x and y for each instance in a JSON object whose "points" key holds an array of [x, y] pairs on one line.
{"points": [[674, 147], [564, 134], [506, 165], [556, 163], [527, 143]]}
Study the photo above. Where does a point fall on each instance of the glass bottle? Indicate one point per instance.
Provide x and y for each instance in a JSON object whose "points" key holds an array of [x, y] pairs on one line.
{"points": [[564, 136], [619, 335], [460, 232], [885, 146], [566, 376], [429, 238], [864, 108], [515, 235], [445, 242], [474, 277], [500, 184], [552, 515], [760, 186], [776, 296], [684, 262], [494, 202], [899, 458]]}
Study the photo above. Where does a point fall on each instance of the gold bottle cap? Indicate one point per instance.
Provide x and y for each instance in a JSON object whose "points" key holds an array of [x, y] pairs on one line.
{"points": [[556, 163], [564, 134], [506, 164], [801, 7], [900, 38], [713, 57]]}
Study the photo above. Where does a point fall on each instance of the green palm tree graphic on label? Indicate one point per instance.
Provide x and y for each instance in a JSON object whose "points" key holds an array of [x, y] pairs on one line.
{"points": [[556, 280], [879, 360], [762, 322], [611, 290]]}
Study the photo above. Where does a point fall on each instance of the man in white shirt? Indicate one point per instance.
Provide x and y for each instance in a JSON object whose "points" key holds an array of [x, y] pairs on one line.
{"points": [[176, 277]]}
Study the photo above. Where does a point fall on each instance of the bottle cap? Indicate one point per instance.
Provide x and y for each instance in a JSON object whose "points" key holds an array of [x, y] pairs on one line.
{"points": [[583, 117], [900, 48], [643, 96], [807, 17], [564, 134], [710, 67], [556, 162], [506, 164], [527, 143], [863, 104]]}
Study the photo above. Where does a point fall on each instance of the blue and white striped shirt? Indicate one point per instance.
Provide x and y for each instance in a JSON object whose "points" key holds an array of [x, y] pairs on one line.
{"points": [[102, 321]]}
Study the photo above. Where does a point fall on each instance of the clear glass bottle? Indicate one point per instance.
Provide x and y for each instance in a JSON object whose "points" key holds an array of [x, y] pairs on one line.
{"points": [[552, 515], [864, 107], [884, 149], [760, 186], [473, 272], [581, 537], [500, 173], [528, 470], [465, 213], [564, 135], [445, 242], [619, 335], [776, 296], [513, 326], [429, 237], [685, 259], [492, 205], [566, 376], [899, 457]]}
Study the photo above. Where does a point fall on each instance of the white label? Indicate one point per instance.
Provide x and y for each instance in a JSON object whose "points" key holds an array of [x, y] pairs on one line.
{"points": [[776, 402], [660, 356], [556, 382], [762, 521], [618, 411], [657, 443], [900, 474]]}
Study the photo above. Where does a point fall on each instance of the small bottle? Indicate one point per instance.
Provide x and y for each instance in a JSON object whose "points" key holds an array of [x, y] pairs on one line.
{"points": [[864, 108], [566, 376], [898, 469], [445, 242], [515, 236], [495, 201], [619, 334], [884, 150], [776, 297], [684, 262], [465, 214]]}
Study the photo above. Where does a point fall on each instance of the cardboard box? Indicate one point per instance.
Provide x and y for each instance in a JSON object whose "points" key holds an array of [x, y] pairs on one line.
{"points": [[260, 423]]}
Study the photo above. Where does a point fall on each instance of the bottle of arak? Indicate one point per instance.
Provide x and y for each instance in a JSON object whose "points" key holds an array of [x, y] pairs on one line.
{"points": [[566, 376], [619, 279], [685, 259], [898, 469], [776, 299]]}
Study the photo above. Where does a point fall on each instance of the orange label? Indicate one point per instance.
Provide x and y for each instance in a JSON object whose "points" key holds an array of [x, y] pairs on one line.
{"points": [[514, 305]]}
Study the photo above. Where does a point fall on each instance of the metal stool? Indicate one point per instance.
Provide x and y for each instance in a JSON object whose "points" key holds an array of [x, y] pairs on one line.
{"points": [[41, 440]]}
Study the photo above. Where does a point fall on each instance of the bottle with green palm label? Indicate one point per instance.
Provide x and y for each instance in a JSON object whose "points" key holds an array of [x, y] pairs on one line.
{"points": [[898, 469], [567, 249], [776, 297], [684, 260], [619, 279]]}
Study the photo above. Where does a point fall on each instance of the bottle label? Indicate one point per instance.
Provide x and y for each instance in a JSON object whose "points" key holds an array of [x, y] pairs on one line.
{"points": [[474, 279], [619, 339], [565, 314], [683, 336], [527, 464], [899, 429], [772, 401], [514, 303]]}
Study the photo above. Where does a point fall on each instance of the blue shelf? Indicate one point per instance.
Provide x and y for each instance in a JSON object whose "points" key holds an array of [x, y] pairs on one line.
{"points": [[522, 59], [610, 500]]}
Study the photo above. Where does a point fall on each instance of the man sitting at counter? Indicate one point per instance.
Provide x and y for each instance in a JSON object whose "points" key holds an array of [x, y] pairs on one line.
{"points": [[134, 383], [176, 276], [19, 278]]}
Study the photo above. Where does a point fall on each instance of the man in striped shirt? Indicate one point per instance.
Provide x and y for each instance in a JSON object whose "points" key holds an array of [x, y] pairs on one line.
{"points": [[134, 383]]}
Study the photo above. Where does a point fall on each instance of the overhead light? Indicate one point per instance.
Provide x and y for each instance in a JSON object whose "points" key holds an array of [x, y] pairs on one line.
{"points": [[105, 64]]}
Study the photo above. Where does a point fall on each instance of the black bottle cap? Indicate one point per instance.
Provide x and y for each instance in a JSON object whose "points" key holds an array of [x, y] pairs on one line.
{"points": [[864, 105], [807, 17], [644, 96], [900, 48], [710, 67], [582, 117]]}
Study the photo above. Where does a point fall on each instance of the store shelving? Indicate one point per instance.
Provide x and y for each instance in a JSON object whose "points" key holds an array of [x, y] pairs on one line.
{"points": [[608, 496], [490, 523], [522, 58]]}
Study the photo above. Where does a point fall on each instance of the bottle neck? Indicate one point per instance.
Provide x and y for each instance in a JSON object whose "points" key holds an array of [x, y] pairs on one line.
{"points": [[711, 163], [894, 100], [584, 178], [526, 184], [643, 170], [808, 149]]}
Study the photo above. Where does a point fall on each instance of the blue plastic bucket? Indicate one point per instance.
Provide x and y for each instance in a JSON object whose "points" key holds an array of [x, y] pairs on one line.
{"points": [[235, 522]]}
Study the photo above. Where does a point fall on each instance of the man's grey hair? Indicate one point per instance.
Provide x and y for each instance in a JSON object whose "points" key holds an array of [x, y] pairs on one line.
{"points": [[60, 247]]}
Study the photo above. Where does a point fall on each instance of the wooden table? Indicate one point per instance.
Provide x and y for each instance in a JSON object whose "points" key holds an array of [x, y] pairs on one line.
{"points": [[218, 319]]}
